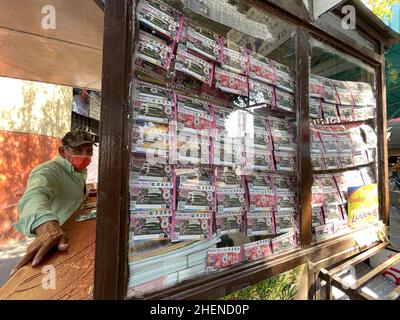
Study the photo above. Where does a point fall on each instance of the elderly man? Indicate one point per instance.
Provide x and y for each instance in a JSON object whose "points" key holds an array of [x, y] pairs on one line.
{"points": [[54, 191]]}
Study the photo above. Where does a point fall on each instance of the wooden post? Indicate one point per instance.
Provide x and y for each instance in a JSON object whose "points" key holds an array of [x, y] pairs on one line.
{"points": [[305, 174], [383, 175], [111, 269]]}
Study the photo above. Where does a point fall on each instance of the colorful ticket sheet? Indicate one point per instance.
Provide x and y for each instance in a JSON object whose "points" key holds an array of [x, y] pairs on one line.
{"points": [[257, 250], [220, 258]]}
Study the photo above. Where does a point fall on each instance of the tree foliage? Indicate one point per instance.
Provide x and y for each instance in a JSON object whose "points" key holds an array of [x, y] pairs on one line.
{"points": [[382, 8]]}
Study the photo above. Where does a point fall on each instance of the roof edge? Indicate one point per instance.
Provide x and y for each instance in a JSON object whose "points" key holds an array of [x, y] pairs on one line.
{"points": [[389, 36]]}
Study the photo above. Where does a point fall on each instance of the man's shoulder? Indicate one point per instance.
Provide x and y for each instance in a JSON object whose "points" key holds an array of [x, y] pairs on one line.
{"points": [[48, 167]]}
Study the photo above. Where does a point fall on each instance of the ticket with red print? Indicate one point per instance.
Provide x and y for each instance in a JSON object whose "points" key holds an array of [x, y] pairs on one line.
{"points": [[257, 250], [258, 138], [284, 242], [332, 161], [283, 182], [220, 258], [230, 199], [194, 116], [231, 82], [221, 114], [186, 83], [279, 124], [262, 68], [262, 199], [330, 142]]}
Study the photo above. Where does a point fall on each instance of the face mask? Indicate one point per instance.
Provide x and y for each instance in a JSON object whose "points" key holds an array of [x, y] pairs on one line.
{"points": [[79, 162]]}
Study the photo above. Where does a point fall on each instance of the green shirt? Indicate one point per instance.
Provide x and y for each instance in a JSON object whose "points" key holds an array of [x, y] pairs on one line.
{"points": [[54, 191]]}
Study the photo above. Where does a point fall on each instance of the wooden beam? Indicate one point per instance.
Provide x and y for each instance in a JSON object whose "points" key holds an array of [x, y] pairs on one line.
{"points": [[377, 271], [30, 57], [327, 262], [78, 21], [338, 283], [111, 268], [359, 258], [222, 283]]}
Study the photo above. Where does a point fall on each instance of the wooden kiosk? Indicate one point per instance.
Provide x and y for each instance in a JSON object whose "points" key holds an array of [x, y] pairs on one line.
{"points": [[367, 43]]}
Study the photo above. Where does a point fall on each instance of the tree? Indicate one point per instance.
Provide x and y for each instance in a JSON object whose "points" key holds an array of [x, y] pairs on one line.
{"points": [[382, 8]]}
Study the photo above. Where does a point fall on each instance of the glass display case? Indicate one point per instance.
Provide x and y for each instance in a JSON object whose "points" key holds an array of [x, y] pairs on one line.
{"points": [[213, 142], [343, 138]]}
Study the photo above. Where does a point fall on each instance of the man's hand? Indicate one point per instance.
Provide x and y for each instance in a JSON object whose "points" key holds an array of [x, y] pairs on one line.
{"points": [[48, 236]]}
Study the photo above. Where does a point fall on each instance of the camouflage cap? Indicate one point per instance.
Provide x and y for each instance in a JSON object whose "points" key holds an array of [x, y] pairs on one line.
{"points": [[77, 138]]}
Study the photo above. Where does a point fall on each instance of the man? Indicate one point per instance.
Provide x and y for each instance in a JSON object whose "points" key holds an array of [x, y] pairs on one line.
{"points": [[80, 103], [54, 191]]}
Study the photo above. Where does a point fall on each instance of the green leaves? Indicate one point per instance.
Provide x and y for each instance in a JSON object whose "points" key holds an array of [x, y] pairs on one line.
{"points": [[280, 287], [382, 8]]}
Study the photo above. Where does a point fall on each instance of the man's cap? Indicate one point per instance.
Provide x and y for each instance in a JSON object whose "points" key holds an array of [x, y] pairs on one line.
{"points": [[77, 138]]}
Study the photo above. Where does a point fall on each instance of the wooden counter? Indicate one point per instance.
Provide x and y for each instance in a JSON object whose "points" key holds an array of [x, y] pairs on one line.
{"points": [[74, 269]]}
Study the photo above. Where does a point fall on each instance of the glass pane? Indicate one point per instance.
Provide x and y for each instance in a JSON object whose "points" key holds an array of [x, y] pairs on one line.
{"points": [[213, 165], [335, 22], [343, 135]]}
